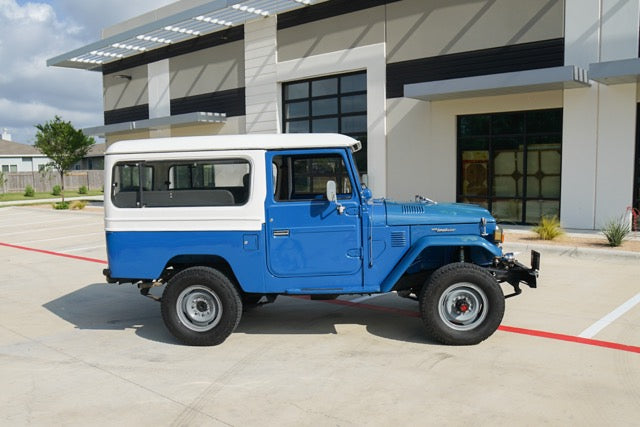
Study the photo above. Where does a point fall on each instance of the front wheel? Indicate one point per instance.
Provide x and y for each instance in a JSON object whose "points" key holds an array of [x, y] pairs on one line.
{"points": [[200, 306], [461, 304]]}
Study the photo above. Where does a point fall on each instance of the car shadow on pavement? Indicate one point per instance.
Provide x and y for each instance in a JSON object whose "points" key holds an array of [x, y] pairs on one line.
{"points": [[102, 306], [312, 317]]}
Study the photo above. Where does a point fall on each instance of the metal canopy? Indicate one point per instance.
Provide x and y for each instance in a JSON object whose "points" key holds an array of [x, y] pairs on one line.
{"points": [[208, 18], [157, 123], [616, 72], [553, 78]]}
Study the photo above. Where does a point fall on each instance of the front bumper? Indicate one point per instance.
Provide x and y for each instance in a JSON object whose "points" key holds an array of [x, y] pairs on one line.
{"points": [[508, 269]]}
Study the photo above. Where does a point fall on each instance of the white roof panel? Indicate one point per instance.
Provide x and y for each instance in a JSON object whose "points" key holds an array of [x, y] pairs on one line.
{"points": [[232, 142]]}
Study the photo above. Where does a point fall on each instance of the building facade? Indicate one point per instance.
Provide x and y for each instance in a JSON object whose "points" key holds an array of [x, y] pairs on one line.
{"points": [[16, 157], [527, 107]]}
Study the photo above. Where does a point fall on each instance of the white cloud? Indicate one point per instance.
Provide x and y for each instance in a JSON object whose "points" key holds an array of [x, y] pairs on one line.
{"points": [[32, 32]]}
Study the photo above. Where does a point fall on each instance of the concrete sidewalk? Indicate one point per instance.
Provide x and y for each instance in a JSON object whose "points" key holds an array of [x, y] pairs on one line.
{"points": [[604, 253]]}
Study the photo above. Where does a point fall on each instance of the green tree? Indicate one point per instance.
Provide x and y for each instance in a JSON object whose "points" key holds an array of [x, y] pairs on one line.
{"points": [[63, 144]]}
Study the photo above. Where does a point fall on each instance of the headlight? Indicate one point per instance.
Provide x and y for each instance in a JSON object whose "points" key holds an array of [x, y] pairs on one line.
{"points": [[498, 235]]}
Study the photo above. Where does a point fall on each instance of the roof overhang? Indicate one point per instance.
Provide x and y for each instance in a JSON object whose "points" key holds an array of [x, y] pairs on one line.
{"points": [[616, 72], [543, 79], [213, 16], [157, 123]]}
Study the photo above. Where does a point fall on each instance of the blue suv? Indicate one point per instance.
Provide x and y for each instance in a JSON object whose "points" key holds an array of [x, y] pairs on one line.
{"points": [[225, 223]]}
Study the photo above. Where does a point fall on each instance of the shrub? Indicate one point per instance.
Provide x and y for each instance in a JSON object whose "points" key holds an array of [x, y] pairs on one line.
{"points": [[78, 204], [549, 228], [616, 231], [29, 191], [61, 205], [57, 190], [83, 190]]}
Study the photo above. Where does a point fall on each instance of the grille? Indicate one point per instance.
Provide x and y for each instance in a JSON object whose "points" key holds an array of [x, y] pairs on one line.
{"points": [[412, 209], [398, 239]]}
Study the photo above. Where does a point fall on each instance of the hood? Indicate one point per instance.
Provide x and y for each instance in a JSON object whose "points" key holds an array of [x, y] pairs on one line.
{"points": [[431, 214]]}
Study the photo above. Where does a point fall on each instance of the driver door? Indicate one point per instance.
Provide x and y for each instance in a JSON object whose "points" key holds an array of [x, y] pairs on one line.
{"points": [[306, 234]]}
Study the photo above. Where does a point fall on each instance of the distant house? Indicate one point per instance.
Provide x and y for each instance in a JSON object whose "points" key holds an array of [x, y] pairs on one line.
{"points": [[16, 157], [94, 160]]}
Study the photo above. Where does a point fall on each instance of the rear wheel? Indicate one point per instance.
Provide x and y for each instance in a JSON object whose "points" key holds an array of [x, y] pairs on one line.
{"points": [[200, 306], [461, 304]]}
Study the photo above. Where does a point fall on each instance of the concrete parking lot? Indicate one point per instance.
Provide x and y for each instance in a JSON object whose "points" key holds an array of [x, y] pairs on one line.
{"points": [[76, 351]]}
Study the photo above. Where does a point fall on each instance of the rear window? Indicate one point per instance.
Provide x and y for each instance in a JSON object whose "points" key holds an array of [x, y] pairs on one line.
{"points": [[220, 182]]}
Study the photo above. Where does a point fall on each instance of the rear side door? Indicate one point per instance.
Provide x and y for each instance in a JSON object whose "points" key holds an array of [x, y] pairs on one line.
{"points": [[306, 234]]}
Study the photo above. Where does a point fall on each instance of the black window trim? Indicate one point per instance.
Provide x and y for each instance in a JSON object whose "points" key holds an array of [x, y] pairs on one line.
{"points": [[490, 198], [140, 164], [314, 153]]}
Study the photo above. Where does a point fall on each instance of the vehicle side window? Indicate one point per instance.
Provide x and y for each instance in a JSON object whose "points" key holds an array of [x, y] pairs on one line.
{"points": [[305, 177], [125, 184], [223, 182]]}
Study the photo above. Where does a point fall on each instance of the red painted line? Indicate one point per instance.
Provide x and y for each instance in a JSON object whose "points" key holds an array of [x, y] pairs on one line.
{"points": [[408, 313], [570, 338], [42, 251], [503, 328]]}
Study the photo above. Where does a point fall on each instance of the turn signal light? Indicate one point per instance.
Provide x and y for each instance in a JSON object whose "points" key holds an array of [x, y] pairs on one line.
{"points": [[498, 235]]}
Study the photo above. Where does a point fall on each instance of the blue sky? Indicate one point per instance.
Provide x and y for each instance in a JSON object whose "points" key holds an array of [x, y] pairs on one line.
{"points": [[32, 32]]}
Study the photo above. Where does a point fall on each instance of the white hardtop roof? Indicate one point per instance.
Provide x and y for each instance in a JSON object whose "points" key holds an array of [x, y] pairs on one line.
{"points": [[232, 142]]}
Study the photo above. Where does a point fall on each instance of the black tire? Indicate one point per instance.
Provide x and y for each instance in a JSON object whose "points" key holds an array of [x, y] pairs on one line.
{"points": [[461, 304], [200, 306]]}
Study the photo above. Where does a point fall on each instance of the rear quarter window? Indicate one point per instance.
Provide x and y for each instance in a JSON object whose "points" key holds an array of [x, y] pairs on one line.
{"points": [[183, 183]]}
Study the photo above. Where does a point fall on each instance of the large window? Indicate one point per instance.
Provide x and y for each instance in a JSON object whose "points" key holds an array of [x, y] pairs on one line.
{"points": [[223, 182], [336, 104], [510, 163]]}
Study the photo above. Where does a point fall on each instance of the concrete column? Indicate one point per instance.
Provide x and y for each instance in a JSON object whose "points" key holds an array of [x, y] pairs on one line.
{"points": [[261, 86], [159, 94], [580, 117], [616, 114]]}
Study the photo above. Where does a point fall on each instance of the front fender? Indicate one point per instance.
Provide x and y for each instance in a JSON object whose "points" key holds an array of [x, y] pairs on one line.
{"points": [[436, 241]]}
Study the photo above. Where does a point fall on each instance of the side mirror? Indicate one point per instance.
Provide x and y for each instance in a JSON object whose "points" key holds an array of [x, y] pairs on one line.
{"points": [[332, 196], [331, 191], [366, 193]]}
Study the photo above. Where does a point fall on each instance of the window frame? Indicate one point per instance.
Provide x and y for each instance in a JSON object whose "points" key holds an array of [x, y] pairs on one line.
{"points": [[525, 136], [170, 164], [348, 167], [339, 115]]}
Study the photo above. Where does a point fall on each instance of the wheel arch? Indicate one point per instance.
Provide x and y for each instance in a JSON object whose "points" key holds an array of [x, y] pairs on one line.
{"points": [[182, 262], [482, 252]]}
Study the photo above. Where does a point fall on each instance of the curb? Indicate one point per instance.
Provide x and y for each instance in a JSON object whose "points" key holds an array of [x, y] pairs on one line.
{"points": [[575, 252], [46, 201]]}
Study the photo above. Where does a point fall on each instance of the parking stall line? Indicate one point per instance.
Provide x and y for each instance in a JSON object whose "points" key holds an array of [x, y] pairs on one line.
{"points": [[42, 251], [594, 329], [409, 313], [86, 248], [59, 238], [503, 328], [43, 221], [35, 230]]}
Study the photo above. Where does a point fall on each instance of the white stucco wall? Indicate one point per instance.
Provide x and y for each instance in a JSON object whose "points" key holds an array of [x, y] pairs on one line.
{"points": [[422, 139], [599, 124]]}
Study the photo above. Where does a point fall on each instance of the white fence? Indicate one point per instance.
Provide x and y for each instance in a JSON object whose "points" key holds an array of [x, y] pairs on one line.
{"points": [[16, 182]]}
